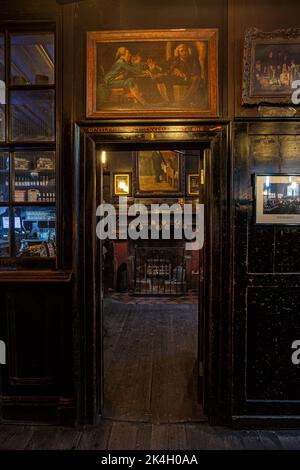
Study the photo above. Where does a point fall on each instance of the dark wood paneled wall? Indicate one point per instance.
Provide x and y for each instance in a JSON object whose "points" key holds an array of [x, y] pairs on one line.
{"points": [[267, 267], [267, 274]]}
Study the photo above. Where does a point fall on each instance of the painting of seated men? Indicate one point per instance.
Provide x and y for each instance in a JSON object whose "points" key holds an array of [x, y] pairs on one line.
{"points": [[146, 76]]}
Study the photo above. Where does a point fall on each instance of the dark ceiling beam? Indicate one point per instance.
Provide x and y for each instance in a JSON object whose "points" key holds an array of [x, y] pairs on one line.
{"points": [[64, 2]]}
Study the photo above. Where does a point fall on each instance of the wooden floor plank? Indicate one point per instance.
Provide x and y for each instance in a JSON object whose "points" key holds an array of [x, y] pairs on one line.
{"points": [[15, 437], [160, 437], [150, 363], [269, 440], [289, 440], [143, 439], [177, 437], [210, 437], [112, 435], [54, 439], [123, 436], [96, 437], [251, 440]]}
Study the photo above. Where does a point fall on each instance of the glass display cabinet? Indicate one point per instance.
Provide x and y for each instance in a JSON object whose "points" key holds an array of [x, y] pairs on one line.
{"points": [[27, 146]]}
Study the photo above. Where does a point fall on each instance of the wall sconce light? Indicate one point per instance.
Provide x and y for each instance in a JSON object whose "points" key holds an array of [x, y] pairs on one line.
{"points": [[103, 157]]}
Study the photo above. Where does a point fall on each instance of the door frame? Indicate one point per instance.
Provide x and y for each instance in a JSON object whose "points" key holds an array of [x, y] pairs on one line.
{"points": [[87, 311]]}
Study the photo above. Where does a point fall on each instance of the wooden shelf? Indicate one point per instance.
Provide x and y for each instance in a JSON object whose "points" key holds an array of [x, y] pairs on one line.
{"points": [[35, 276], [33, 170]]}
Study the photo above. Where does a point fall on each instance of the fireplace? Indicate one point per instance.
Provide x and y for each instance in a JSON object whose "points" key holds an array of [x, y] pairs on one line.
{"points": [[160, 271]]}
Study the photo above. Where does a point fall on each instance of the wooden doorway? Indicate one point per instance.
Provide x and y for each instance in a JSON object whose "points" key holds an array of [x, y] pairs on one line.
{"points": [[216, 363], [151, 307]]}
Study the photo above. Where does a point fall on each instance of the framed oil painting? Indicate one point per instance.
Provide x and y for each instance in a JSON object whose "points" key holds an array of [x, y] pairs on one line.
{"points": [[271, 64], [277, 199], [159, 172], [122, 184], [193, 184], [152, 73]]}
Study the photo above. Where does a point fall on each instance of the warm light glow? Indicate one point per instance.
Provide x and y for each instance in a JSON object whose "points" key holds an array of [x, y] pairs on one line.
{"points": [[103, 157], [123, 186], [294, 185]]}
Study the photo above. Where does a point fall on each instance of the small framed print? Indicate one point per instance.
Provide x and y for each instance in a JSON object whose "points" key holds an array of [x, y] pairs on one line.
{"points": [[122, 184], [159, 172], [277, 199], [193, 184]]}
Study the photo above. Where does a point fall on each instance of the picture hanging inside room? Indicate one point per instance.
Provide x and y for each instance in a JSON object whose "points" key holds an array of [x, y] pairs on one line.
{"points": [[277, 199], [153, 72], [271, 65]]}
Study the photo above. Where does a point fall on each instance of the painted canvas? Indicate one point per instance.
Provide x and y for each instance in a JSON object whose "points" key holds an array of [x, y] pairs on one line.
{"points": [[152, 73], [158, 171], [272, 64]]}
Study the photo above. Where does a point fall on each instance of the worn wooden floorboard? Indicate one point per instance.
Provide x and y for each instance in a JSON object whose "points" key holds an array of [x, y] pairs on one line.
{"points": [[15, 437], [150, 363], [159, 437], [113, 435], [289, 440], [96, 438], [47, 439], [123, 436], [143, 437]]}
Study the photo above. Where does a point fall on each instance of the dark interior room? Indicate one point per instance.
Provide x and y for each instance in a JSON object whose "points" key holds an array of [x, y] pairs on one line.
{"points": [[149, 225]]}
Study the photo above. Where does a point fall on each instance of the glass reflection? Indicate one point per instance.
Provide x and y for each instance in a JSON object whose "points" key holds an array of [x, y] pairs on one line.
{"points": [[4, 177], [35, 231], [2, 89], [32, 59], [2, 58], [33, 115], [34, 176], [4, 232]]}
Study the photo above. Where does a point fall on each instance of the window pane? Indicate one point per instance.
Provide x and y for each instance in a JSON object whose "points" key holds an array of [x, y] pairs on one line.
{"points": [[4, 232], [34, 176], [4, 177], [2, 90], [32, 59], [2, 56], [33, 115], [35, 231]]}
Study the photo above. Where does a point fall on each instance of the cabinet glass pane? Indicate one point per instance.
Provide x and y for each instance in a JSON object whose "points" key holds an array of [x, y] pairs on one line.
{"points": [[4, 232], [34, 176], [35, 231], [33, 115], [32, 59], [2, 90], [4, 177], [2, 56]]}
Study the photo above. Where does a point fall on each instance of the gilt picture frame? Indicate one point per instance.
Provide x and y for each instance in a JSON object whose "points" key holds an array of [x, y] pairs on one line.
{"points": [[193, 184], [271, 64], [159, 173], [121, 184], [153, 73]]}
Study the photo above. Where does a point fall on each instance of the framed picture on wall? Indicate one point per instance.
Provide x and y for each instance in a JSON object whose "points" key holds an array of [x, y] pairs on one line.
{"points": [[152, 73], [277, 199], [159, 172], [193, 184], [271, 64], [122, 184]]}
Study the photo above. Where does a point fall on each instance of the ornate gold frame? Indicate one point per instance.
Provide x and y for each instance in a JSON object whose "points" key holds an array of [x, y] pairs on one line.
{"points": [[209, 36]]}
